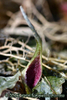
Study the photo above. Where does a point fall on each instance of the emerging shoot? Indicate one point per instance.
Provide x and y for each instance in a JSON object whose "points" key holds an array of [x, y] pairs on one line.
{"points": [[32, 73]]}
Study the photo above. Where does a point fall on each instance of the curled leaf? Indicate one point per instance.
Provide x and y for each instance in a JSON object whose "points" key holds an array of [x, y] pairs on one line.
{"points": [[33, 72], [8, 82]]}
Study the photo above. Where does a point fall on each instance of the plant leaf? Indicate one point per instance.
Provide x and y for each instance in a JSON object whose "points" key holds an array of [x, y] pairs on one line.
{"points": [[56, 83], [8, 82], [44, 88]]}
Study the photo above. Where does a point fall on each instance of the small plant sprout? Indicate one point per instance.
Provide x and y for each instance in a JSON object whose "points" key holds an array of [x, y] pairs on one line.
{"points": [[33, 71]]}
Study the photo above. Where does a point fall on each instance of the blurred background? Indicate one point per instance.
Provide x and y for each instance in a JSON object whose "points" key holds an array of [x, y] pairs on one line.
{"points": [[51, 10], [49, 18]]}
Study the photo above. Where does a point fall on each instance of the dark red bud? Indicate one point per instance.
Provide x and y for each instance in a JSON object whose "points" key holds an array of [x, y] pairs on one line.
{"points": [[33, 72]]}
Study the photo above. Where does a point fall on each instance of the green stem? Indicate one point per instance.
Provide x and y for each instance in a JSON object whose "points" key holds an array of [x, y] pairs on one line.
{"points": [[37, 37]]}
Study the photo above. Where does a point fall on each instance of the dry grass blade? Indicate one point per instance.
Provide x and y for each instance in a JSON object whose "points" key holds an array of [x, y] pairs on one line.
{"points": [[28, 53]]}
